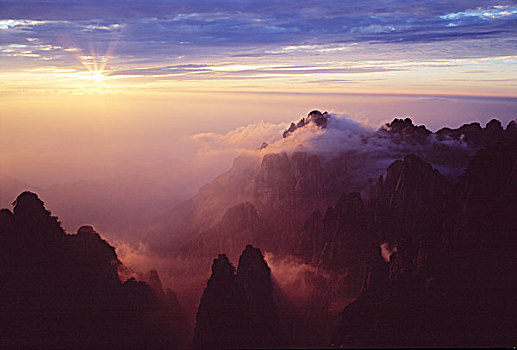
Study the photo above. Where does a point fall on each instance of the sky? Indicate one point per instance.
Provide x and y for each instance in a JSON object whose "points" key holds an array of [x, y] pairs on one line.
{"points": [[415, 47], [88, 84]]}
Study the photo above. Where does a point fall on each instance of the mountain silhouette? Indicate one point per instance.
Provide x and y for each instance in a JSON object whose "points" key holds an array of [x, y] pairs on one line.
{"points": [[63, 291], [237, 308], [451, 279]]}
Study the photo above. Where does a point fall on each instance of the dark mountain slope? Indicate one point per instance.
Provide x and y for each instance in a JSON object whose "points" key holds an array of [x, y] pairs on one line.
{"points": [[63, 291], [451, 278]]}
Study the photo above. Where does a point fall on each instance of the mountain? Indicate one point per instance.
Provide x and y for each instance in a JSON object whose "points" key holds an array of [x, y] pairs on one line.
{"points": [[221, 318], [451, 272], [237, 308], [368, 238], [60, 290], [287, 186], [333, 231], [315, 117], [254, 275]]}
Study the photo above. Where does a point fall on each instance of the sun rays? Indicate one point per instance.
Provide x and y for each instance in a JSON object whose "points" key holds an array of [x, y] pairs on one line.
{"points": [[94, 64]]}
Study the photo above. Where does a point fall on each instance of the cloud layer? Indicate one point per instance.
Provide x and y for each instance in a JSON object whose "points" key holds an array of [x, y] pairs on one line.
{"points": [[367, 151], [235, 40]]}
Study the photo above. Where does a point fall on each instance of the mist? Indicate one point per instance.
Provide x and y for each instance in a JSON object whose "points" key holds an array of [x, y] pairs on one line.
{"points": [[119, 162]]}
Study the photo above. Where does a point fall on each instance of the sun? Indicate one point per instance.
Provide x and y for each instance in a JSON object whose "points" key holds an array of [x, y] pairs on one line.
{"points": [[97, 76], [93, 77], [95, 65]]}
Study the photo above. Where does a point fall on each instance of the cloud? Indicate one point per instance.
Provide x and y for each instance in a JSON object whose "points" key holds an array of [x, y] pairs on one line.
{"points": [[293, 276], [221, 71], [242, 139], [369, 152], [243, 26], [387, 250], [14, 24], [344, 44], [436, 36], [482, 13], [138, 259]]}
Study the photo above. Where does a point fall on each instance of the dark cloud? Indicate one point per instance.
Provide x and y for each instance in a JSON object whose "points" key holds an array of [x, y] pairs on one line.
{"points": [[434, 36]]}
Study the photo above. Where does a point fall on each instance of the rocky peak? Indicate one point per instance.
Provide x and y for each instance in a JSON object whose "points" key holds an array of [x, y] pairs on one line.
{"points": [[35, 224], [87, 232], [295, 178], [28, 207], [220, 321], [405, 129], [254, 274], [409, 176], [251, 261], [222, 269], [320, 119], [411, 199], [89, 241], [28, 202], [315, 116], [457, 252], [140, 293], [511, 129], [494, 127], [474, 134], [95, 257], [237, 310]]}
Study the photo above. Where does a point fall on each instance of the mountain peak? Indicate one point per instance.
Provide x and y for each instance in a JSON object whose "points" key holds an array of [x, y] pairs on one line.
{"points": [[237, 310], [28, 201], [222, 266], [494, 126], [315, 116], [252, 261], [219, 321], [34, 220], [406, 128], [87, 231]]}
